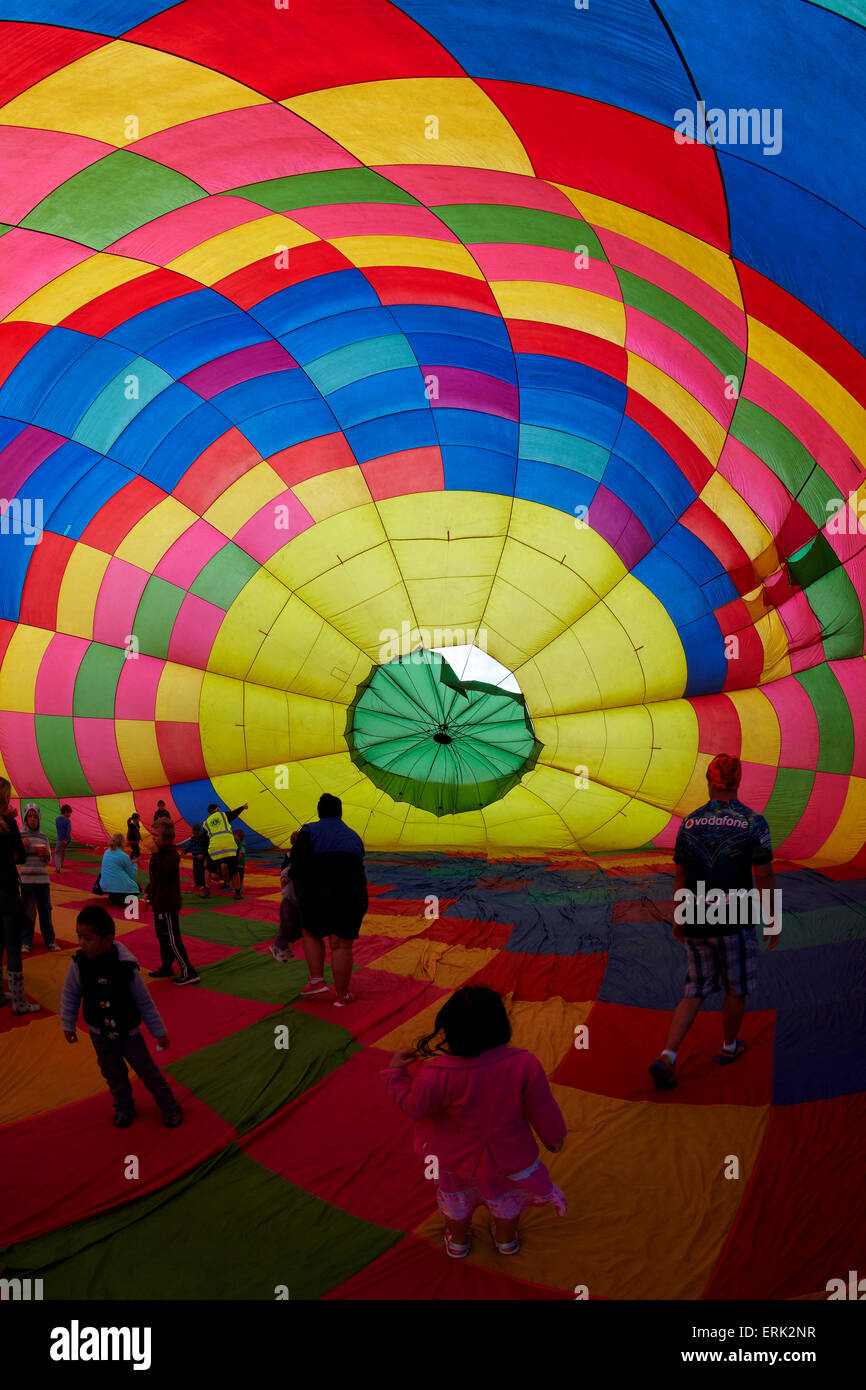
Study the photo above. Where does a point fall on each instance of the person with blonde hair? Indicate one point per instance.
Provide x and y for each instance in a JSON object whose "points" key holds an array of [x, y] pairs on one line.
{"points": [[13, 919], [117, 873]]}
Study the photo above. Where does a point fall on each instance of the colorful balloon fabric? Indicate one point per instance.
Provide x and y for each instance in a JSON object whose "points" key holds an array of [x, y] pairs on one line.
{"points": [[328, 322]]}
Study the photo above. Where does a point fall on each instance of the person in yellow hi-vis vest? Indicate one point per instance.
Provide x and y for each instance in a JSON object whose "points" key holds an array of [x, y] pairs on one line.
{"points": [[222, 847]]}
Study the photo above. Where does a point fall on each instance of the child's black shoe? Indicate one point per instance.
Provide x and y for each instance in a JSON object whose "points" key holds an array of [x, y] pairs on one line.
{"points": [[124, 1121], [172, 1118]]}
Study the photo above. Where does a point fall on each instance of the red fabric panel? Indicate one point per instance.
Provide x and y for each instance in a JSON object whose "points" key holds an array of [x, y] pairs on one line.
{"points": [[180, 751], [624, 1040], [116, 306], [93, 1156], [411, 285], [533, 977], [693, 465], [44, 577], [227, 459], [253, 283], [791, 319], [718, 725], [618, 155], [116, 518], [200, 1024], [466, 931], [312, 457], [708, 527], [16, 340], [325, 43], [824, 808], [32, 51], [384, 1001], [415, 1270], [803, 1214], [7, 628], [411, 470], [552, 340]]}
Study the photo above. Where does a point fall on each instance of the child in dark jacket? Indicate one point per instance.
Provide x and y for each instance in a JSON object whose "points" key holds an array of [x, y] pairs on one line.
{"points": [[476, 1102], [196, 845], [163, 893], [106, 978]]}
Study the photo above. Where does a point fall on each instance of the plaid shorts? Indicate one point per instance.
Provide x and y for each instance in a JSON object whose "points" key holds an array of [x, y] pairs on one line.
{"points": [[731, 959]]}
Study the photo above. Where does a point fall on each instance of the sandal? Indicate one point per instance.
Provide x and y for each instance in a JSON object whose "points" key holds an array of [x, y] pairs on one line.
{"points": [[457, 1252], [508, 1247], [725, 1059]]}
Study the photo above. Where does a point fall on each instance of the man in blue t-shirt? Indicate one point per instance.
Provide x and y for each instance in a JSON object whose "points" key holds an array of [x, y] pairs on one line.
{"points": [[327, 870], [719, 848]]}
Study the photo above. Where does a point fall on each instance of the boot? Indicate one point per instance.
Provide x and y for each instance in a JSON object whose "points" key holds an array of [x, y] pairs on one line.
{"points": [[4, 997], [19, 1003]]}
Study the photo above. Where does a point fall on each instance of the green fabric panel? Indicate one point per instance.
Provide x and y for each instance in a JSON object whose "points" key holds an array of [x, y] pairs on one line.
{"points": [[834, 602], [223, 928], [813, 560], [321, 189], [544, 445], [790, 796], [245, 1078], [790, 461], [232, 1230], [224, 576], [358, 360], [255, 975], [55, 739], [835, 726], [496, 223], [96, 681], [110, 198], [155, 616], [821, 926], [667, 309], [112, 411]]}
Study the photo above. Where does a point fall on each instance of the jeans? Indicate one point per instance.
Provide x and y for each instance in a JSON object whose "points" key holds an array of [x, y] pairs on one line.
{"points": [[40, 894], [113, 1054]]}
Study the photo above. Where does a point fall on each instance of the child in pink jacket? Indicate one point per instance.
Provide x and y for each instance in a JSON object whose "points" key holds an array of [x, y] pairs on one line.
{"points": [[473, 1101]]}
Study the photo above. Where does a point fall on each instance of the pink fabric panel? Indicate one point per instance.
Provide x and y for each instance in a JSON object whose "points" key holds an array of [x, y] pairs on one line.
{"points": [[440, 184], [233, 148], [758, 782], [261, 538], [817, 821], [35, 162], [372, 219], [681, 361], [23, 455], [824, 444], [797, 722], [169, 236], [243, 365], [119, 596], [803, 631], [195, 629], [463, 389], [729, 318], [58, 670], [136, 688], [545, 265], [184, 561], [21, 754], [757, 484], [97, 752], [851, 675], [30, 260], [87, 828]]}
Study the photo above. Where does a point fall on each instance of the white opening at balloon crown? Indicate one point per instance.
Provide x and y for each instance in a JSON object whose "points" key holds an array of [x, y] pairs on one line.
{"points": [[470, 663]]}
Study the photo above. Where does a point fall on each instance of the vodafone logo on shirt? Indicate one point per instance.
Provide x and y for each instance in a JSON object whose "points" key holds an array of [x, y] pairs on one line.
{"points": [[736, 821]]}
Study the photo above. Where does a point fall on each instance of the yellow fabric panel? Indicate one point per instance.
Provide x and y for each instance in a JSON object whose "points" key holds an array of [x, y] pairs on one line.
{"points": [[610, 649], [633, 824], [849, 833], [247, 624], [695, 793], [114, 811], [330, 493], [450, 516], [237, 787], [139, 752], [612, 1146], [243, 498], [543, 1029], [621, 757], [331, 543], [572, 741], [774, 639], [387, 123], [540, 302], [79, 590], [266, 725], [561, 677], [424, 253], [759, 724], [221, 724], [832, 402], [95, 94], [241, 246], [532, 598], [155, 533], [654, 637], [303, 653], [27, 647], [696, 256], [42, 1071], [393, 924], [675, 736], [678, 405], [178, 693], [524, 819], [437, 962], [361, 599], [462, 601], [76, 287], [747, 529]]}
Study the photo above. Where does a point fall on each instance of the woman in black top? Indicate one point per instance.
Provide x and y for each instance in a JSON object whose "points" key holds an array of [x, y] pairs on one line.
{"points": [[12, 853]]}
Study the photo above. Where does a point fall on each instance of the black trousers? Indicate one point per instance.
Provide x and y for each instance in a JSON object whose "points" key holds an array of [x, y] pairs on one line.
{"points": [[171, 947], [113, 1054]]}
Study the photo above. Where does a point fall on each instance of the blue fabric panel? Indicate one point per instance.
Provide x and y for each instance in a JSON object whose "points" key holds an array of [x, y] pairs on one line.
{"points": [[203, 342], [74, 512], [471, 427], [819, 1051], [637, 491], [553, 487], [477, 470], [449, 350], [649, 459], [559, 374], [259, 393], [315, 299], [182, 446], [560, 410], [690, 552], [78, 386], [152, 425], [273, 430], [36, 375], [94, 16], [704, 648], [377, 397], [325, 335], [163, 321], [459, 323], [646, 968], [672, 586], [413, 429]]}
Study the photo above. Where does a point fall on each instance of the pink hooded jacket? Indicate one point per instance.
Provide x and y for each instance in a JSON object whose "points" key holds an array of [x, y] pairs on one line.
{"points": [[474, 1113]]}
